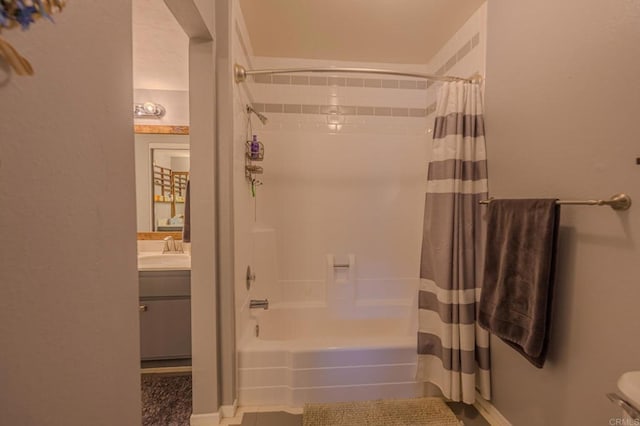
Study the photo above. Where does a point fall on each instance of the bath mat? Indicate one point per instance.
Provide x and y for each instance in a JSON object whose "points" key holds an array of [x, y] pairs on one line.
{"points": [[166, 400], [383, 412]]}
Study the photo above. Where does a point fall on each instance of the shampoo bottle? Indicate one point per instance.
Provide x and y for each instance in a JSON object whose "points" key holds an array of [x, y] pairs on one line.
{"points": [[255, 148]]}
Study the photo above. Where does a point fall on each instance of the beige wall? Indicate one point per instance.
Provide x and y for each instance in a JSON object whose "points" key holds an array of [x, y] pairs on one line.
{"points": [[562, 106], [197, 18], [68, 286]]}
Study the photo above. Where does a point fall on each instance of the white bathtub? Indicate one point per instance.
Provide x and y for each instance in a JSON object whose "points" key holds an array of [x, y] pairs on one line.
{"points": [[314, 353]]}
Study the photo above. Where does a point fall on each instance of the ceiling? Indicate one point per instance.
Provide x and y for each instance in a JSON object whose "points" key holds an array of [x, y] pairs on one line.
{"points": [[391, 31], [160, 48]]}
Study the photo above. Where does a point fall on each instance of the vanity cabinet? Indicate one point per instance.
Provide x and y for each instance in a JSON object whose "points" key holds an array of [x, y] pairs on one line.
{"points": [[165, 315]]}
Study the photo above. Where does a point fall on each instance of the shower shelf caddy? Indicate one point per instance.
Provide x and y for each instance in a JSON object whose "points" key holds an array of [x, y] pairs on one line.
{"points": [[250, 155], [251, 169]]}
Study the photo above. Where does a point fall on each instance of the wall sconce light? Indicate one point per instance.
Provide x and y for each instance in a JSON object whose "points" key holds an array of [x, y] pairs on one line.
{"points": [[148, 110]]}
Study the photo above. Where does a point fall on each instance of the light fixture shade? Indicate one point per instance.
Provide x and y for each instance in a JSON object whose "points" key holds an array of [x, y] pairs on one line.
{"points": [[148, 110]]}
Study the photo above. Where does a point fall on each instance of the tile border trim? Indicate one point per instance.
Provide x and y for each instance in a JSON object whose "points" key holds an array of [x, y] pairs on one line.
{"points": [[368, 83], [361, 110]]}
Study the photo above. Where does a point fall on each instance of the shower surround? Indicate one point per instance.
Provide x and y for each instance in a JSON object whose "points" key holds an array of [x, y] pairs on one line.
{"points": [[343, 184], [336, 244]]}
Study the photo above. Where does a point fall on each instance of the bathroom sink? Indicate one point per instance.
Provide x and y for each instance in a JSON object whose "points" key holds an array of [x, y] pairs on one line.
{"points": [[629, 385], [164, 262]]}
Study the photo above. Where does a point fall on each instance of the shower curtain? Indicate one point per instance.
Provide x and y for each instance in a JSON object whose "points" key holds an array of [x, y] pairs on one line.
{"points": [[453, 351]]}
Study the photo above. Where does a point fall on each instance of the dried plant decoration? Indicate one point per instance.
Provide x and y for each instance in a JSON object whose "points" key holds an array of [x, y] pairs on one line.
{"points": [[23, 13]]}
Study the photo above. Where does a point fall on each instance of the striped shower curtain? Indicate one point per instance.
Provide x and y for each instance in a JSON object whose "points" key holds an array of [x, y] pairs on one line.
{"points": [[453, 351]]}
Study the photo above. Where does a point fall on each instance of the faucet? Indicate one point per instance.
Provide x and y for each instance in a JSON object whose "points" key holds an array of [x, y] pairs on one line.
{"points": [[260, 303], [170, 246]]}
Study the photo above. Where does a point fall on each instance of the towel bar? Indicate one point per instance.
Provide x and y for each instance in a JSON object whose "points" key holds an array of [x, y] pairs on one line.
{"points": [[341, 265], [616, 202], [626, 407]]}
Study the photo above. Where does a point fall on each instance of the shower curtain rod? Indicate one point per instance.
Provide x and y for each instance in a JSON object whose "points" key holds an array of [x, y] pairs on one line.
{"points": [[241, 73], [616, 202]]}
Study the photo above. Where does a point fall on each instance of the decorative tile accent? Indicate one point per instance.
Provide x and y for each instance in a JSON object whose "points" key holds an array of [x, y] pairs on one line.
{"points": [[378, 111], [311, 109], [281, 79], [383, 111], [355, 82], [300, 80], [262, 78], [318, 81], [450, 63], [462, 52], [365, 110], [375, 83], [417, 112], [348, 110], [475, 40], [389, 84], [337, 81], [370, 82], [328, 109], [258, 107], [400, 112], [273, 107], [292, 109], [457, 57], [407, 84]]}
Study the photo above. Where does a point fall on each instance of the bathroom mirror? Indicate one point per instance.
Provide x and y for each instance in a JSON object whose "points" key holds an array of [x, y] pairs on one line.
{"points": [[162, 170], [170, 172]]}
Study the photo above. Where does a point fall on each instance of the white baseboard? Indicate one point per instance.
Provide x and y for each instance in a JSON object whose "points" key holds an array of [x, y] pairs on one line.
{"points": [[229, 410], [208, 419], [489, 412]]}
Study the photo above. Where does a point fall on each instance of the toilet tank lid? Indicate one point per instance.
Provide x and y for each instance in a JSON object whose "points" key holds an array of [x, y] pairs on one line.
{"points": [[629, 385]]}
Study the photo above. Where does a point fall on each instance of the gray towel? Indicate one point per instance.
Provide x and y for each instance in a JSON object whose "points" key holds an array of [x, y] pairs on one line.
{"points": [[515, 304], [186, 227]]}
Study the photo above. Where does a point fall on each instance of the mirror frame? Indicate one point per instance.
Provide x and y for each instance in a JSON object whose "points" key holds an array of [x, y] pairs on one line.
{"points": [[159, 130], [159, 235]]}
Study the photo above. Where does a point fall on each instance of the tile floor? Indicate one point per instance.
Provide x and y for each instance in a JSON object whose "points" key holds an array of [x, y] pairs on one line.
{"points": [[279, 415], [266, 413], [286, 416]]}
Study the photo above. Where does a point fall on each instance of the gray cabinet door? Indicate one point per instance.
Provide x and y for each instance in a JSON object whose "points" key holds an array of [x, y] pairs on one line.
{"points": [[165, 328]]}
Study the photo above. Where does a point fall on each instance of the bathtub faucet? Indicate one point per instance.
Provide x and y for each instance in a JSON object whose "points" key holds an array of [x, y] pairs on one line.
{"points": [[254, 304]]}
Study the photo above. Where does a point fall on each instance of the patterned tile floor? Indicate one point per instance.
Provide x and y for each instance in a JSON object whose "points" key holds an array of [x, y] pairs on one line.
{"points": [[166, 400], [467, 413]]}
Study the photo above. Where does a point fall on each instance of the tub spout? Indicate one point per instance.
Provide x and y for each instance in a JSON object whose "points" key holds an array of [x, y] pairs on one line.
{"points": [[255, 304]]}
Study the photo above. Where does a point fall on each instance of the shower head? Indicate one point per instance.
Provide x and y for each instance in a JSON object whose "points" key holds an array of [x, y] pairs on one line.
{"points": [[262, 118]]}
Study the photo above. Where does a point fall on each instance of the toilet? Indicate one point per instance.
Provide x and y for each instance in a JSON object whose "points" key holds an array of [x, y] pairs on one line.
{"points": [[629, 401]]}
